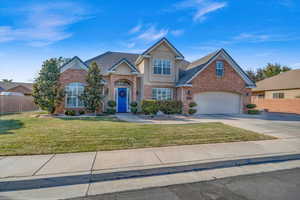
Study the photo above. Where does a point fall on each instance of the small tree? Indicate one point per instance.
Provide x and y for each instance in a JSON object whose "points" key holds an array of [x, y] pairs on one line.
{"points": [[7, 80], [47, 93], [92, 95]]}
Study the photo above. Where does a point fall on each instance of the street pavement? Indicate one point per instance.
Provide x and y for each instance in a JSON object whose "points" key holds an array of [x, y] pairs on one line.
{"points": [[278, 185]]}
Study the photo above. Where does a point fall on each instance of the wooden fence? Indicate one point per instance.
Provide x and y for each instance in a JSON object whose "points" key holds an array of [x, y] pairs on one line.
{"points": [[16, 104], [278, 105]]}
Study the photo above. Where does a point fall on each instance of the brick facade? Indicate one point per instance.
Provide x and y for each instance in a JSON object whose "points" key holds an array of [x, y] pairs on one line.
{"points": [[67, 77], [278, 105], [207, 81]]}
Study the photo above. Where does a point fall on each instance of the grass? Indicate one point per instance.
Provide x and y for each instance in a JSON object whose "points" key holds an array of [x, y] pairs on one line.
{"points": [[22, 134]]}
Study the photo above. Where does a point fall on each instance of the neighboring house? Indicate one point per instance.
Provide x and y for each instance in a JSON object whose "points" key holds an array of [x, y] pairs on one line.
{"points": [[16, 87], [215, 82], [280, 93], [282, 86]]}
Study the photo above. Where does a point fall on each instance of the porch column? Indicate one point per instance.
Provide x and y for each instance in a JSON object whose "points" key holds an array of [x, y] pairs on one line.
{"points": [[134, 87]]}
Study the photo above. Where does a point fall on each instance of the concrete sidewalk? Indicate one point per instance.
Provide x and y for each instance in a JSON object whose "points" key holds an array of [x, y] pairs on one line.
{"points": [[122, 160], [70, 175]]}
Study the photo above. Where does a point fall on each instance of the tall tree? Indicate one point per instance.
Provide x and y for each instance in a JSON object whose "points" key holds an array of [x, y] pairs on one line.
{"points": [[251, 75], [47, 93], [92, 95], [7, 80], [266, 72]]}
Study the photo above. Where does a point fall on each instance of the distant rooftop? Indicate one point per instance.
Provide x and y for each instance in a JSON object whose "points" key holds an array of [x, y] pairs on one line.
{"points": [[285, 80]]}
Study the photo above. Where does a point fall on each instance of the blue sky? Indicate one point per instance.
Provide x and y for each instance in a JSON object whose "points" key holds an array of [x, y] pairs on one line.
{"points": [[254, 32]]}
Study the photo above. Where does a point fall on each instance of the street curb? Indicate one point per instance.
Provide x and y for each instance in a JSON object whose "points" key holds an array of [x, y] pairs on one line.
{"points": [[189, 168], [98, 176]]}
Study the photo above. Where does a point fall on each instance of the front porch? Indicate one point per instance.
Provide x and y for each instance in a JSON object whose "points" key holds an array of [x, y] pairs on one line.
{"points": [[123, 90]]}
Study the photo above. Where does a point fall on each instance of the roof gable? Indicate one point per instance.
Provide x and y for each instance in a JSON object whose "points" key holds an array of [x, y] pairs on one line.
{"points": [[108, 59], [129, 64], [158, 43], [74, 63], [194, 71]]}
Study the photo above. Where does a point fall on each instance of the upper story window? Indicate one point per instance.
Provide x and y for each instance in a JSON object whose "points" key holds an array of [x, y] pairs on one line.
{"points": [[73, 93], [162, 66], [162, 93], [279, 95], [219, 68]]}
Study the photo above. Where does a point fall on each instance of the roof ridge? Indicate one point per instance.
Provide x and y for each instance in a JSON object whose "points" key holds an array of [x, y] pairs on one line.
{"points": [[107, 52]]}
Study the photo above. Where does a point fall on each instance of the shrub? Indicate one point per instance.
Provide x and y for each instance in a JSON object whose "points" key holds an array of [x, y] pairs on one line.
{"points": [[81, 112], [111, 111], [251, 106], [192, 104], [111, 103], [170, 106], [167, 107], [134, 110], [149, 107], [253, 112], [134, 104], [192, 111], [70, 112]]}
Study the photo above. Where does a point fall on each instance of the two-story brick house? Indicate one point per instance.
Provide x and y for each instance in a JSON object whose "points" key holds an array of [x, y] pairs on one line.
{"points": [[215, 82]]}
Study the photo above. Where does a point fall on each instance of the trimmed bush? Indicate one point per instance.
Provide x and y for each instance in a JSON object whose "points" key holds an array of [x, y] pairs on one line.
{"points": [[251, 106], [151, 107], [253, 112], [111, 103], [192, 104], [81, 112], [134, 104], [192, 111], [70, 112], [134, 110], [111, 111], [170, 107]]}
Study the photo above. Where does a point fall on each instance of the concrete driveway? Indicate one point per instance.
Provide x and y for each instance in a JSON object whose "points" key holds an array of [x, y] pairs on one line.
{"points": [[279, 125]]}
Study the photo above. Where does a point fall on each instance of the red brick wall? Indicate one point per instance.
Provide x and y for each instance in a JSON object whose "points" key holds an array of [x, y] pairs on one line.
{"points": [[70, 76], [278, 105], [208, 81]]}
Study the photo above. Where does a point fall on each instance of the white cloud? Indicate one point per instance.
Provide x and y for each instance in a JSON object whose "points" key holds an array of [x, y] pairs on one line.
{"points": [[152, 34], [256, 37], [177, 32], [44, 24], [295, 65], [202, 7], [136, 29]]}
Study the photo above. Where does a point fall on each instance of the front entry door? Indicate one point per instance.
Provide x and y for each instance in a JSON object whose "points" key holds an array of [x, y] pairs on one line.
{"points": [[122, 99]]}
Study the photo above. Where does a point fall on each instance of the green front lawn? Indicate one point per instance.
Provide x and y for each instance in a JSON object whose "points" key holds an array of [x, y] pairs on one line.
{"points": [[23, 134]]}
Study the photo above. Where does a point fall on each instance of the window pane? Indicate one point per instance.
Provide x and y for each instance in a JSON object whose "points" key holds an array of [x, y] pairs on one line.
{"points": [[157, 66], [73, 92], [219, 68]]}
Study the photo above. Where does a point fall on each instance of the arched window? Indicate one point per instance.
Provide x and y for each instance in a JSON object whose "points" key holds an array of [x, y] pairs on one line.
{"points": [[73, 92], [122, 83]]}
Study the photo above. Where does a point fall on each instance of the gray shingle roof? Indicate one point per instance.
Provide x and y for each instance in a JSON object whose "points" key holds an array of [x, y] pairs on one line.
{"points": [[108, 59], [194, 67]]}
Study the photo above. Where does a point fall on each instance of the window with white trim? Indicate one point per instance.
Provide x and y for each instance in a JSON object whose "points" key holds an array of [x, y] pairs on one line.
{"points": [[162, 93], [219, 68], [73, 93], [162, 66]]}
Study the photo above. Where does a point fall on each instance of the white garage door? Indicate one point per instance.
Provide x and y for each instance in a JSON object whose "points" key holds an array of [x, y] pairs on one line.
{"points": [[217, 103]]}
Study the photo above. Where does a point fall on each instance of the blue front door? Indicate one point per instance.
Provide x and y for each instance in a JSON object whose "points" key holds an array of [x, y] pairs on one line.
{"points": [[122, 99]]}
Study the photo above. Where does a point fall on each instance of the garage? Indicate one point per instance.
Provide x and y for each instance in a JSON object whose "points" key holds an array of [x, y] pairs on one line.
{"points": [[218, 103]]}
